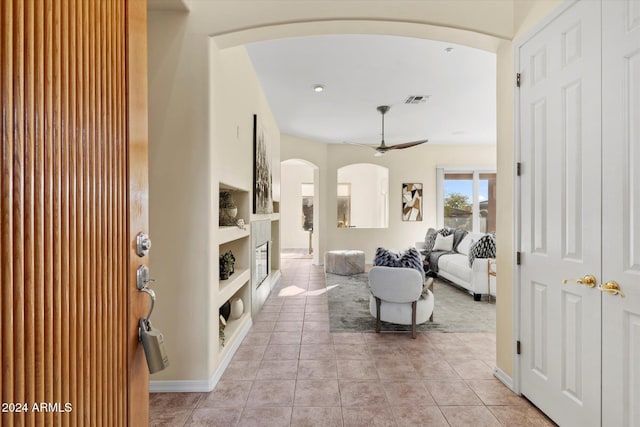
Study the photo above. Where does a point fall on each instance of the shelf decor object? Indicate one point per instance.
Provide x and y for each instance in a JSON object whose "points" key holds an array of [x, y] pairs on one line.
{"points": [[228, 209], [237, 308], [221, 325], [227, 263]]}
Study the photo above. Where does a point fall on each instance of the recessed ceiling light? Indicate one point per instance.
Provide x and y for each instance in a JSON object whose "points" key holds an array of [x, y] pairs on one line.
{"points": [[449, 50], [318, 88]]}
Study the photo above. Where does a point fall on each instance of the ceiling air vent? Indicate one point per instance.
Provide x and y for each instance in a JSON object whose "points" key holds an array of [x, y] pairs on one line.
{"points": [[416, 99]]}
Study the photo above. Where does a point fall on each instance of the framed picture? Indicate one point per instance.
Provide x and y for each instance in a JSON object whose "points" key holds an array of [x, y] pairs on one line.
{"points": [[412, 202], [262, 178]]}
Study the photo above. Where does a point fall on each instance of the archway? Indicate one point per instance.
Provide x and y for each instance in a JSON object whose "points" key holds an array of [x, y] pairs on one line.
{"points": [[436, 30], [300, 203], [206, 32]]}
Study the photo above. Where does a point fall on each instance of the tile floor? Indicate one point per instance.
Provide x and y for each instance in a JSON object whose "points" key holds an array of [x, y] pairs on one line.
{"points": [[291, 371]]}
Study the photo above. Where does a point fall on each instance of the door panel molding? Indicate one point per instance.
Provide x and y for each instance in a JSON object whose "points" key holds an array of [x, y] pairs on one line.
{"points": [[73, 125]]}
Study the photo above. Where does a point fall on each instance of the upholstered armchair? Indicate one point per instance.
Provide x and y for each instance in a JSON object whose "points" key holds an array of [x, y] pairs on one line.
{"points": [[397, 297]]}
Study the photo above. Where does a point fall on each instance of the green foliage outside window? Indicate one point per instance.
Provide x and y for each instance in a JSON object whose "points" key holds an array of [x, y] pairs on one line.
{"points": [[458, 211]]}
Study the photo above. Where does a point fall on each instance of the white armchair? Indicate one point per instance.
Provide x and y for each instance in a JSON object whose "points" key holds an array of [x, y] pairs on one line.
{"points": [[396, 297]]}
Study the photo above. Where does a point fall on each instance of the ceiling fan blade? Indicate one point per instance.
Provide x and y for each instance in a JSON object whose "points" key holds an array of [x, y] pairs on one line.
{"points": [[360, 145], [406, 145]]}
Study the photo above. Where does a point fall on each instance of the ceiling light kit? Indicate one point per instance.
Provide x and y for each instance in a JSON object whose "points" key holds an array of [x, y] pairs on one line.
{"points": [[383, 148], [318, 88]]}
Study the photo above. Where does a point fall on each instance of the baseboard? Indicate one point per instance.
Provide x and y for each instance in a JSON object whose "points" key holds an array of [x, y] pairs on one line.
{"points": [[171, 386], [504, 378], [201, 386]]}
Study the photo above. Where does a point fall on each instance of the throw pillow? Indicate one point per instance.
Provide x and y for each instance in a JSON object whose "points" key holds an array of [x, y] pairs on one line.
{"points": [[443, 243], [485, 247], [432, 238], [458, 235], [465, 245], [430, 233], [411, 259], [386, 258]]}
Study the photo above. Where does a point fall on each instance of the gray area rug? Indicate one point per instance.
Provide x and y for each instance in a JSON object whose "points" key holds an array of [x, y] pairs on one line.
{"points": [[455, 310]]}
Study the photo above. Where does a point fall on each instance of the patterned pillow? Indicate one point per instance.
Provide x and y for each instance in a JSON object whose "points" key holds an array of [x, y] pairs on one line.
{"points": [[386, 258], [411, 259], [430, 232], [485, 247], [432, 239]]}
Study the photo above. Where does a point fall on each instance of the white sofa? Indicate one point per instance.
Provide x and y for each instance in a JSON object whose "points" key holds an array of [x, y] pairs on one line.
{"points": [[455, 268]]}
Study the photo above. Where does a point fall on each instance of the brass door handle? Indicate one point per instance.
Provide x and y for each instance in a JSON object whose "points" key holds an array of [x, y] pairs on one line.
{"points": [[612, 288], [589, 280]]}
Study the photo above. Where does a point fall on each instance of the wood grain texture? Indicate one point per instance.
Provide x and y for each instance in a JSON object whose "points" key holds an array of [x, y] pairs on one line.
{"points": [[137, 131], [74, 190]]}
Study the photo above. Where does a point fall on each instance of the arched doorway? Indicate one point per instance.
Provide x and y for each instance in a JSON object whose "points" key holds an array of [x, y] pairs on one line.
{"points": [[300, 209]]}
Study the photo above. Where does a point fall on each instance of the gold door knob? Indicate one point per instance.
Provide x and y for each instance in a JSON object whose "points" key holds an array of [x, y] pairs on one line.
{"points": [[612, 288], [589, 280]]}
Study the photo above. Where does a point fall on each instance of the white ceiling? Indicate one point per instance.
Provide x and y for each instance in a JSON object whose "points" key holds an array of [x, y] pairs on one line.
{"points": [[361, 72]]}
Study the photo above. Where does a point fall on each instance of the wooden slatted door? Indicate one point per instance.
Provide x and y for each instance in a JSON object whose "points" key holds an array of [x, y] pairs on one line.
{"points": [[74, 189]]}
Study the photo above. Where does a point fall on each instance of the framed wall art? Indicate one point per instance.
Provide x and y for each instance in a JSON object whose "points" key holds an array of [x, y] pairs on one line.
{"points": [[262, 178], [412, 202]]}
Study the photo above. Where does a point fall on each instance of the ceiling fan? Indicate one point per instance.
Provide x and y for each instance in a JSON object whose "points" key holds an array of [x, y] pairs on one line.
{"points": [[383, 148]]}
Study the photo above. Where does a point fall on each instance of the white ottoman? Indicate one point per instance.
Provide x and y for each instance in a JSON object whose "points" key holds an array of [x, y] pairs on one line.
{"points": [[344, 262]]}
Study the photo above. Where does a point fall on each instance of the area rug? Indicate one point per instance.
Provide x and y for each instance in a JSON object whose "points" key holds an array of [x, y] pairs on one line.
{"points": [[455, 310]]}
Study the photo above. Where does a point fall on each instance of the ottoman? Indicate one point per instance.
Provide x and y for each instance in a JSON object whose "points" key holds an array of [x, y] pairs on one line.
{"points": [[344, 262]]}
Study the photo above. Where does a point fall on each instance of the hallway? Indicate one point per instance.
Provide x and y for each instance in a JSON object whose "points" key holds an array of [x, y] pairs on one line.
{"points": [[291, 371]]}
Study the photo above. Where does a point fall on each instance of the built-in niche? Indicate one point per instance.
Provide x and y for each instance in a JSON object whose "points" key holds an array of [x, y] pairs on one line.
{"points": [[363, 196]]}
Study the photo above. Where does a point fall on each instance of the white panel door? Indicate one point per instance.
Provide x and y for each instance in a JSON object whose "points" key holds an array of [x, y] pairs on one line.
{"points": [[560, 188], [621, 212]]}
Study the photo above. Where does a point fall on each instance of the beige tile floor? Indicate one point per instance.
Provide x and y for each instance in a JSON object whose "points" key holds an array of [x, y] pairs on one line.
{"points": [[291, 371]]}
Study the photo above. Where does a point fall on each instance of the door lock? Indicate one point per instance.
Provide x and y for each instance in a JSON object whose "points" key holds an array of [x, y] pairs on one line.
{"points": [[143, 244], [142, 277]]}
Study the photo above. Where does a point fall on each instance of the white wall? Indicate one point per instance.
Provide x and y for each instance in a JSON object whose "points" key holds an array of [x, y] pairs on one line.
{"points": [[413, 165], [202, 100], [180, 181], [293, 176]]}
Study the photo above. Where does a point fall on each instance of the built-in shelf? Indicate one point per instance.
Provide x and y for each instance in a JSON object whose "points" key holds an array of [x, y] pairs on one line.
{"points": [[275, 216], [232, 330], [230, 233], [230, 286], [238, 285]]}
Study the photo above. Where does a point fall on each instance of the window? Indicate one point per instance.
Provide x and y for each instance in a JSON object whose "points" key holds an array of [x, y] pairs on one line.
{"points": [[467, 199]]}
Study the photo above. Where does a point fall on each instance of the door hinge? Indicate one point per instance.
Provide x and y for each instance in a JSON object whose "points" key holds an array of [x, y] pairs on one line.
{"points": [[518, 257], [518, 347], [518, 79], [518, 168]]}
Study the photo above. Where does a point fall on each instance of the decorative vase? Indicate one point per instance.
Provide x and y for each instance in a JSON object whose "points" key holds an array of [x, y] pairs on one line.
{"points": [[225, 310], [237, 308], [228, 209]]}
